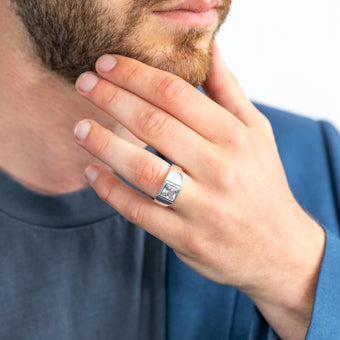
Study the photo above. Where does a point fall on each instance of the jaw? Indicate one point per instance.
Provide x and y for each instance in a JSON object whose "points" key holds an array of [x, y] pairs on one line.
{"points": [[184, 52]]}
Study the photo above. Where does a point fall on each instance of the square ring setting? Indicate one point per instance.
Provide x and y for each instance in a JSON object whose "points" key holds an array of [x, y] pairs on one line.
{"points": [[171, 187], [168, 192]]}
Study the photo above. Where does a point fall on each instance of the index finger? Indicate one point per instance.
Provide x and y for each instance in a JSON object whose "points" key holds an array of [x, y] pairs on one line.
{"points": [[172, 94]]}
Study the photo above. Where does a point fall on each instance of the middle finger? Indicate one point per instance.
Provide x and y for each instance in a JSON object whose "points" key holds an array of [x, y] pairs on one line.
{"points": [[152, 125]]}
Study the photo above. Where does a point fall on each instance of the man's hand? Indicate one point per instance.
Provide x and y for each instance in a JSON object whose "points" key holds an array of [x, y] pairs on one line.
{"points": [[235, 220]]}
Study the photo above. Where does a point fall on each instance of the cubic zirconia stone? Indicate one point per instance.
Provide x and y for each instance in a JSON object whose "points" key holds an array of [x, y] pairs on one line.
{"points": [[169, 192]]}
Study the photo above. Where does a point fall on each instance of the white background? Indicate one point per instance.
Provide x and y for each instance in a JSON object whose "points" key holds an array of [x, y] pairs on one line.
{"points": [[286, 54]]}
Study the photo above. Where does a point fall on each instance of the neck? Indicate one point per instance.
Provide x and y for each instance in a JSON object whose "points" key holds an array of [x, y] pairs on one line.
{"points": [[38, 111]]}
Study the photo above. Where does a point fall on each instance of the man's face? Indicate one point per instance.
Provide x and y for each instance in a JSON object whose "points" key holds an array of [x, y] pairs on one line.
{"points": [[70, 35]]}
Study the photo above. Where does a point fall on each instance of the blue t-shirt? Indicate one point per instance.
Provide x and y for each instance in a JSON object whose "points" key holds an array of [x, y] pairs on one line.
{"points": [[72, 268]]}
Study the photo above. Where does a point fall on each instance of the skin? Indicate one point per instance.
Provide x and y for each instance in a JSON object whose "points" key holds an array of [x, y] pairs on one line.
{"points": [[125, 27], [235, 221], [254, 237]]}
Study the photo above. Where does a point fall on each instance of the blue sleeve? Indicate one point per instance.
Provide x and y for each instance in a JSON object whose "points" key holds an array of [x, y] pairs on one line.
{"points": [[325, 323]]}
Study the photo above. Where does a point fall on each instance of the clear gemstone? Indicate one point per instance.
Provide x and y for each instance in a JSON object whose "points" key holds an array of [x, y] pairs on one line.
{"points": [[169, 192]]}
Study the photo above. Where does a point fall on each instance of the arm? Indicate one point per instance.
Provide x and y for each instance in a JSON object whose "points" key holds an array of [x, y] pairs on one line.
{"points": [[287, 301], [325, 314], [288, 309], [235, 221]]}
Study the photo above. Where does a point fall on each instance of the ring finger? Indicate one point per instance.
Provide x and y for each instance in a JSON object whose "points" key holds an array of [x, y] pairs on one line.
{"points": [[138, 166]]}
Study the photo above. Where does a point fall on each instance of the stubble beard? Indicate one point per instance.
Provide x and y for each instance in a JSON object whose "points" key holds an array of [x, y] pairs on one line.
{"points": [[68, 37]]}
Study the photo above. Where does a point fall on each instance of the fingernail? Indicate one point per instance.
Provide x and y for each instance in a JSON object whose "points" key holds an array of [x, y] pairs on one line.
{"points": [[81, 130], [91, 173], [86, 82], [106, 63]]}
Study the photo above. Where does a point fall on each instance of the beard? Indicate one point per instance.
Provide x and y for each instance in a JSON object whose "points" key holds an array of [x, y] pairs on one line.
{"points": [[69, 36]]}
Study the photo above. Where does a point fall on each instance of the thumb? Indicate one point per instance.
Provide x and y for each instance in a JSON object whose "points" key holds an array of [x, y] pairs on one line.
{"points": [[223, 88]]}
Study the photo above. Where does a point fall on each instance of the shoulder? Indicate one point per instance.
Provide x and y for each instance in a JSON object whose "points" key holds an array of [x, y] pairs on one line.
{"points": [[290, 125], [303, 143], [296, 134]]}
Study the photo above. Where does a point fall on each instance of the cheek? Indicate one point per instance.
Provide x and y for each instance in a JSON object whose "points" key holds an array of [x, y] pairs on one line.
{"points": [[117, 3], [120, 10], [160, 38]]}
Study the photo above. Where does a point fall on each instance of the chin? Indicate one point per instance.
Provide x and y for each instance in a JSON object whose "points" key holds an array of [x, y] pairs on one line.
{"points": [[187, 57]]}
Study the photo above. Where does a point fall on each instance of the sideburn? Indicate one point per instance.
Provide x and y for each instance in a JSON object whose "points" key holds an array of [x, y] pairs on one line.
{"points": [[58, 36]]}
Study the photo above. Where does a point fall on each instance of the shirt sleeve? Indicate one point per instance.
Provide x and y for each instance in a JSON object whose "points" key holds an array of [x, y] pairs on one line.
{"points": [[325, 322]]}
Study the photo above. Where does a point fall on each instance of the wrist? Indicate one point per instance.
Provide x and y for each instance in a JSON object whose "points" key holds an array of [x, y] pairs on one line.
{"points": [[286, 295]]}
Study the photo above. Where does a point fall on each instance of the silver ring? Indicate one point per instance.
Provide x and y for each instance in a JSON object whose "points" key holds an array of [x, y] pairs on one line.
{"points": [[171, 186]]}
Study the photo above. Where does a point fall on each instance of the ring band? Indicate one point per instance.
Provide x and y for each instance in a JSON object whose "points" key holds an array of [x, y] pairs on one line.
{"points": [[171, 186]]}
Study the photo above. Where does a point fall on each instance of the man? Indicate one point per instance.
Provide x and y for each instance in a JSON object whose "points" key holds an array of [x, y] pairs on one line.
{"points": [[72, 267]]}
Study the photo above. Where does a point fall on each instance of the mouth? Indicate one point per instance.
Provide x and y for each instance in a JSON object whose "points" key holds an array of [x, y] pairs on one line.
{"points": [[192, 13]]}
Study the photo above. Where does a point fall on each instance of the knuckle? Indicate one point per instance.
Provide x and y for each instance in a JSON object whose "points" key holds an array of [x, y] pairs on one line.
{"points": [[172, 88], [108, 95], [194, 246], [226, 177], [148, 172], [107, 194], [229, 179], [103, 146], [217, 165], [153, 122], [241, 138], [213, 159], [221, 171], [134, 212], [130, 72]]}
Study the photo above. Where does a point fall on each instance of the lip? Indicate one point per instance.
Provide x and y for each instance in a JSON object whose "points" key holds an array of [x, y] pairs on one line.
{"points": [[192, 6], [188, 18], [191, 13]]}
